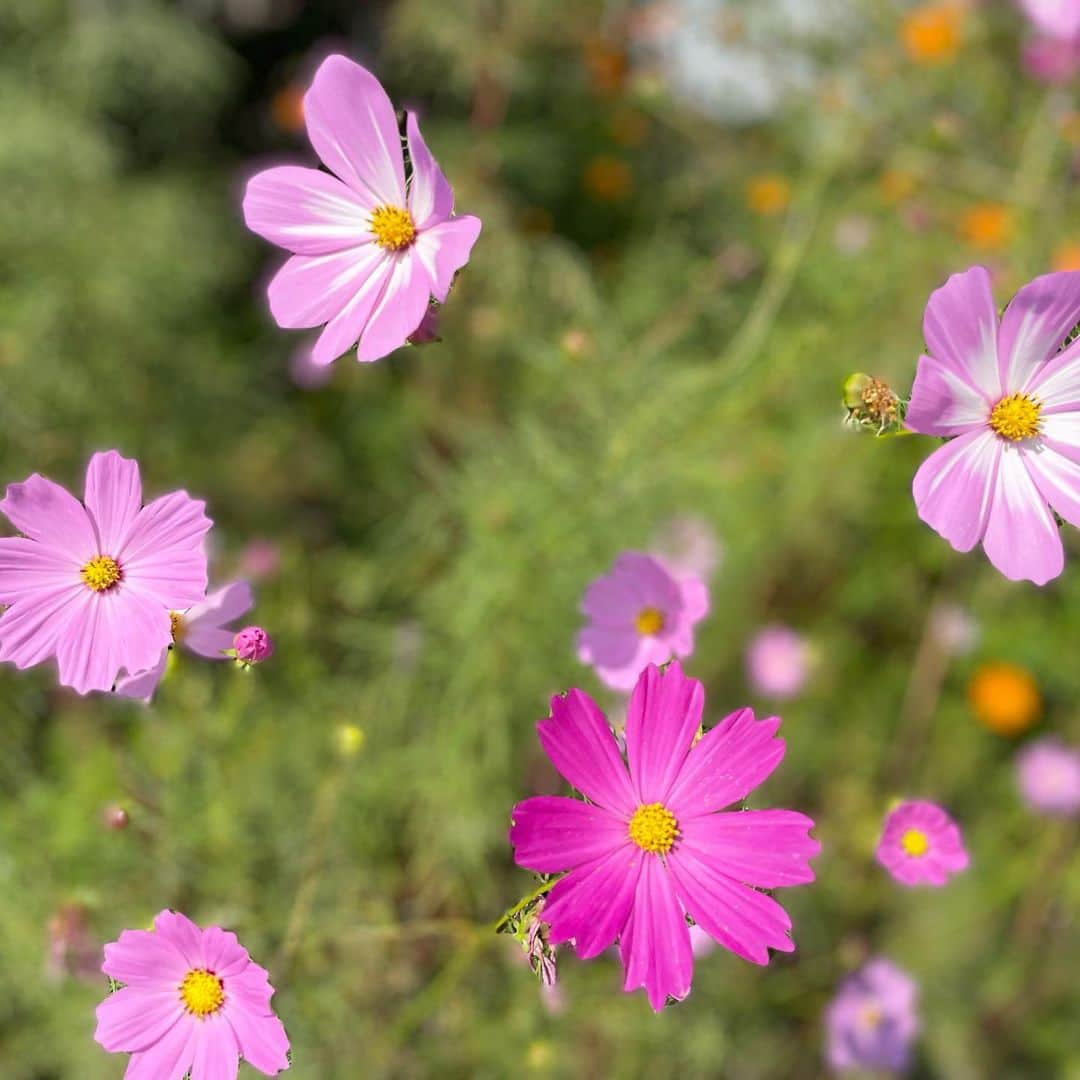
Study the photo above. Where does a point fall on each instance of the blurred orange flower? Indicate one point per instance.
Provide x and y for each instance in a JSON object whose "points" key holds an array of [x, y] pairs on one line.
{"points": [[768, 194], [987, 225], [608, 178], [1004, 698], [287, 109], [1066, 256], [932, 33]]}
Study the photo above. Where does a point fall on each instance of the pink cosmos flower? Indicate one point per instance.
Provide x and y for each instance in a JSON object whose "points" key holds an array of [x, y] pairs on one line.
{"points": [[192, 999], [778, 662], [1051, 60], [369, 246], [639, 614], [92, 583], [1058, 18], [253, 645], [1048, 774], [921, 845], [1009, 402], [200, 630], [649, 849]]}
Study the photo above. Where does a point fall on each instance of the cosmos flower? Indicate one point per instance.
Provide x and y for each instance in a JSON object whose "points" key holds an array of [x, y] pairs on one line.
{"points": [[200, 630], [777, 662], [872, 1020], [253, 645], [921, 845], [1056, 18], [370, 245], [639, 614], [1048, 775], [1008, 398], [191, 999], [92, 583], [649, 849]]}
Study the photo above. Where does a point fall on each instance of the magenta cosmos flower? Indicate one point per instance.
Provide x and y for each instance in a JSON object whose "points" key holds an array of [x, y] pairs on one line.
{"points": [[649, 849], [921, 845], [639, 614], [92, 583], [201, 630], [192, 999], [369, 246], [1048, 774], [1009, 401]]}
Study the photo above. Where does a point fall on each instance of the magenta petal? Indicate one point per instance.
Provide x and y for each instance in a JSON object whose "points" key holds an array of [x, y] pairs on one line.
{"points": [[550, 834], [217, 1053], [263, 1042], [352, 126], [251, 987], [113, 497], [203, 633], [168, 1059], [954, 487], [143, 959], [580, 744], [45, 512], [177, 929], [1022, 538], [766, 848], [590, 905], [1035, 324], [655, 945], [943, 402], [662, 719], [222, 952], [344, 329], [398, 312], [1056, 385], [726, 764], [310, 290], [307, 212], [431, 198], [133, 1018], [143, 685], [444, 249], [28, 569]]}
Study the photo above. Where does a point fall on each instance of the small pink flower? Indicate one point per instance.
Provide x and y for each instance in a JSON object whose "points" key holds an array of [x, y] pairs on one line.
{"points": [[921, 845], [92, 583], [259, 559], [649, 847], [777, 662], [192, 999], [1051, 60], [1008, 399], [1058, 18], [253, 645], [369, 247], [1048, 774], [639, 614]]}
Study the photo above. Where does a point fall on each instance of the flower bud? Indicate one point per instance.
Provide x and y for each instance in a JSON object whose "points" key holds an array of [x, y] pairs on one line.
{"points": [[253, 645], [114, 817]]}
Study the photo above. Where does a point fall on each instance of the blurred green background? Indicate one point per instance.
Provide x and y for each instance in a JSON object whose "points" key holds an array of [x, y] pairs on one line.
{"points": [[675, 276]]}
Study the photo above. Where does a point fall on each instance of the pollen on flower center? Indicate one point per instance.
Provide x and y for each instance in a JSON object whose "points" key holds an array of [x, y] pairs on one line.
{"points": [[1016, 417], [915, 843], [202, 992], [870, 1016], [654, 828], [100, 573], [392, 227], [176, 626], [649, 621]]}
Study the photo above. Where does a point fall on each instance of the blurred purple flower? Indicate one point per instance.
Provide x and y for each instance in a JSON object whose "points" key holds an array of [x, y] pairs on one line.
{"points": [[688, 547], [921, 845], [1050, 60], [777, 662], [1048, 775], [259, 559]]}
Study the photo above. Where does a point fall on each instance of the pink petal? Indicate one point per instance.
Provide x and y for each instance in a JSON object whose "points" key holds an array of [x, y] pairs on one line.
{"points": [[164, 556], [614, 648], [113, 497], [695, 599], [943, 402], [581, 746], [550, 834], [590, 905], [28, 569], [222, 952], [45, 512], [726, 764], [306, 211], [655, 945], [142, 685], [147, 960], [209, 643], [250, 987], [747, 922], [431, 199], [1058, 481], [662, 719], [398, 312], [310, 290], [168, 1059], [182, 934], [1059, 18], [1035, 324], [344, 329], [960, 327], [649, 580], [444, 249], [30, 630], [766, 848], [352, 126], [203, 633], [133, 1018], [263, 1042], [217, 1052], [611, 601], [954, 487], [1060, 432], [1022, 538], [1057, 384]]}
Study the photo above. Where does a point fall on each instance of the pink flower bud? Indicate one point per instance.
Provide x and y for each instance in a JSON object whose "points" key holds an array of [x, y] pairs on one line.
{"points": [[253, 645], [114, 817]]}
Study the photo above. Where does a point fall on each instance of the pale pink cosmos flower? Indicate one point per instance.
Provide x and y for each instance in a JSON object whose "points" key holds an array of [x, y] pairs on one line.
{"points": [[191, 999], [369, 246], [201, 630], [649, 849], [640, 613], [1048, 774], [1009, 402], [921, 845], [778, 662], [1057, 18], [92, 583]]}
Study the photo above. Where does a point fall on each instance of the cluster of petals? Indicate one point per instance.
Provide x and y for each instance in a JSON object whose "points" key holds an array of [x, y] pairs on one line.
{"points": [[921, 845], [650, 849]]}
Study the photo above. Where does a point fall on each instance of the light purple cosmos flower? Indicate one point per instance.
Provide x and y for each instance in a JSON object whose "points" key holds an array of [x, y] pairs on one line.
{"points": [[1009, 402], [1048, 774], [92, 583], [649, 849], [872, 1020], [639, 614], [200, 630], [921, 845], [1057, 18], [777, 662], [369, 246], [192, 999]]}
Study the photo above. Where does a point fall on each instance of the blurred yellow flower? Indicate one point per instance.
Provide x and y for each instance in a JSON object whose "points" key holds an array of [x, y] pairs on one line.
{"points": [[932, 33], [608, 178], [349, 739], [896, 185], [1066, 256], [986, 225], [768, 194], [1004, 698]]}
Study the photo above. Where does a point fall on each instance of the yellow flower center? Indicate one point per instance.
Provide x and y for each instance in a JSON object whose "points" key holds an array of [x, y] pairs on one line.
{"points": [[202, 992], [100, 573], [176, 626], [649, 621], [1016, 417], [654, 828], [392, 227], [915, 843], [870, 1016]]}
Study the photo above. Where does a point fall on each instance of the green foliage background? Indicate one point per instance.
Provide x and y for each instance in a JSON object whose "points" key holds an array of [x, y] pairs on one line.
{"points": [[440, 513]]}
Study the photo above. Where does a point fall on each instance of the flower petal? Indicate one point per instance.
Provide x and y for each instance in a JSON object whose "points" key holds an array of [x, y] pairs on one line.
{"points": [[397, 313], [168, 1059], [550, 834], [217, 1051], [431, 199], [960, 327], [310, 290], [163, 556], [1060, 432], [943, 402], [182, 934], [147, 960], [203, 633], [45, 512], [28, 569], [134, 1018], [1058, 481], [1057, 383], [344, 329], [444, 249], [263, 1042], [30, 630], [222, 952], [1035, 324], [113, 497], [251, 986], [142, 685]]}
